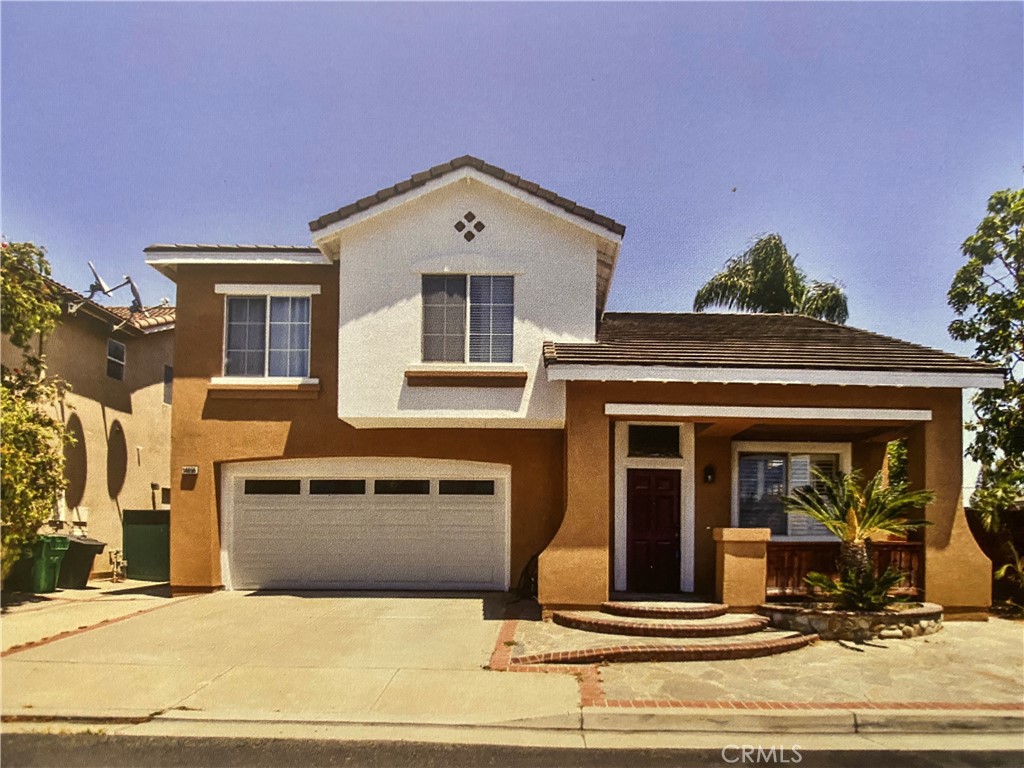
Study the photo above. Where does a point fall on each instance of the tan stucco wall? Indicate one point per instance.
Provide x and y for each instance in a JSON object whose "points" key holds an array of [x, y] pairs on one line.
{"points": [[210, 431], [99, 490], [957, 573], [574, 570]]}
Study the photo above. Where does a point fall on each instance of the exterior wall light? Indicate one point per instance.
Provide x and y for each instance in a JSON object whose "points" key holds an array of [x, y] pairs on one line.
{"points": [[709, 473]]}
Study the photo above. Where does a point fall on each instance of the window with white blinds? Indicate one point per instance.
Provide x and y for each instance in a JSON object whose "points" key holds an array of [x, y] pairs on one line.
{"points": [[490, 306], [764, 478]]}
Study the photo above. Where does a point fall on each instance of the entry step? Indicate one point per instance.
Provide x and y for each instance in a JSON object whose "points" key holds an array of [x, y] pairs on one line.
{"points": [[659, 609], [720, 626]]}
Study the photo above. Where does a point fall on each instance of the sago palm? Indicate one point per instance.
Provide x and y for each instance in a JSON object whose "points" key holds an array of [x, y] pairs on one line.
{"points": [[856, 512], [767, 279]]}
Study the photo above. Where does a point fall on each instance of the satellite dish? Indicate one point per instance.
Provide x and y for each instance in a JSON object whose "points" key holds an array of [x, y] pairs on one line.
{"points": [[137, 305], [99, 285]]}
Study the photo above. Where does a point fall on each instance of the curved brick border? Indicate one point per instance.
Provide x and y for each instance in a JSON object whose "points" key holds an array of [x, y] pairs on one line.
{"points": [[593, 622], [747, 649], [665, 610], [855, 626]]}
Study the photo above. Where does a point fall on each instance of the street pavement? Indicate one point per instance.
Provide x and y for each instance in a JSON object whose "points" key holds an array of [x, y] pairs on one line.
{"points": [[131, 666]]}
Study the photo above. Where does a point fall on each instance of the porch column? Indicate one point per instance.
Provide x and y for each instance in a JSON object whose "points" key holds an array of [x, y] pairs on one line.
{"points": [[573, 570], [957, 574], [741, 572]]}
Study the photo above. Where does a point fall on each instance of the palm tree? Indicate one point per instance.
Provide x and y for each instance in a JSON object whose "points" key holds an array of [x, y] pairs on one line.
{"points": [[855, 513], [767, 279]]}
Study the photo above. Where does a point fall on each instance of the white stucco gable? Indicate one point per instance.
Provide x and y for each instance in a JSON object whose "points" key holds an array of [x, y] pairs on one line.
{"points": [[464, 223]]}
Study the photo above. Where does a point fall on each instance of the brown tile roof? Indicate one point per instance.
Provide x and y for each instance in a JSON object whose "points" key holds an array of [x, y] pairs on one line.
{"points": [[708, 340], [467, 161], [154, 317], [232, 248]]}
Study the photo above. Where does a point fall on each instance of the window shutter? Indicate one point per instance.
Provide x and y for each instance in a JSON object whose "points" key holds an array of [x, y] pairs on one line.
{"points": [[800, 476]]}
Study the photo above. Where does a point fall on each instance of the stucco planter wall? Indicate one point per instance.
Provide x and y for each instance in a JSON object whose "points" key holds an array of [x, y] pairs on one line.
{"points": [[829, 624]]}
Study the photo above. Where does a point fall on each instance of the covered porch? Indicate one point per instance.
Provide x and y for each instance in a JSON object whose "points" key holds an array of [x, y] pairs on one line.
{"points": [[672, 488]]}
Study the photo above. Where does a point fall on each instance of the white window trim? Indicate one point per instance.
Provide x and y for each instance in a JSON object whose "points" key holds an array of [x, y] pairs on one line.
{"points": [[262, 381], [265, 378], [266, 289], [466, 362], [122, 363], [843, 450], [687, 497]]}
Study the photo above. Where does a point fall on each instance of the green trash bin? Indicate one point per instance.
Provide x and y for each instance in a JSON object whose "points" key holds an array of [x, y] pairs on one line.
{"points": [[37, 571]]}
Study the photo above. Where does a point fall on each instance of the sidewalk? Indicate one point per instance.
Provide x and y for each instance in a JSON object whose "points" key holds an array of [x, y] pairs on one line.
{"points": [[436, 667]]}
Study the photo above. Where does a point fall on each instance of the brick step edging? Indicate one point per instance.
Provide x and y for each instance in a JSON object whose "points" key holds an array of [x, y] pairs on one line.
{"points": [[641, 653], [680, 611], [612, 626]]}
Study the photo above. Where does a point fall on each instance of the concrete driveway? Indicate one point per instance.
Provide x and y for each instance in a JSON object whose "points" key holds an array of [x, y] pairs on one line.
{"points": [[303, 656]]}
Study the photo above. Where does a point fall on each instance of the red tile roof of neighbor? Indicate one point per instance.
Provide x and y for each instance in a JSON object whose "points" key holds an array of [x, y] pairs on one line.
{"points": [[158, 317], [153, 317], [467, 161], [709, 340]]}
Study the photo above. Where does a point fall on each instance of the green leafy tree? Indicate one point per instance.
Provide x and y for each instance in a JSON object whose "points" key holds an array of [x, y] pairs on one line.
{"points": [[856, 512], [896, 461], [988, 297], [32, 438], [766, 279]]}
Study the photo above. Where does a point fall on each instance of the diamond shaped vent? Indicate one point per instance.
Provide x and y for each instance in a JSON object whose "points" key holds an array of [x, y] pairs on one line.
{"points": [[469, 226]]}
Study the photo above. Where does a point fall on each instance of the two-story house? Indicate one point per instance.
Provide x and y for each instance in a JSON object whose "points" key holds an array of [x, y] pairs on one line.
{"points": [[432, 395], [117, 365]]}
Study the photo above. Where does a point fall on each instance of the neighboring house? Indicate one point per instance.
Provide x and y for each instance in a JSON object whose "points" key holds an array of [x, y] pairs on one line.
{"points": [[118, 365], [432, 396]]}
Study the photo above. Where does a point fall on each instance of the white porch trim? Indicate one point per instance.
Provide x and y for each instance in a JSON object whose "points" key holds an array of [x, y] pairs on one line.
{"points": [[650, 410], [687, 499], [824, 377]]}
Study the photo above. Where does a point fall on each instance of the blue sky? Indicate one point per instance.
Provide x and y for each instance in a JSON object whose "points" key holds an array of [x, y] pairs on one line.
{"points": [[868, 135]]}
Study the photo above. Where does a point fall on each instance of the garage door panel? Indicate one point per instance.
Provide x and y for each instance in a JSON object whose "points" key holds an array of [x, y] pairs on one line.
{"points": [[392, 541]]}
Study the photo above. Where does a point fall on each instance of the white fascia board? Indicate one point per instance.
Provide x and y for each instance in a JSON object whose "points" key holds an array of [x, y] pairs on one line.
{"points": [[822, 377], [322, 236], [166, 265], [765, 412], [447, 422], [266, 289]]}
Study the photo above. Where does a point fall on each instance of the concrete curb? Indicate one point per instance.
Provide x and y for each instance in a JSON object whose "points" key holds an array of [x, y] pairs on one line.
{"points": [[591, 720], [805, 721]]}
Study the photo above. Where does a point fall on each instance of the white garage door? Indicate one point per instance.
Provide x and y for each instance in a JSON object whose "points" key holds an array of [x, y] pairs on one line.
{"points": [[365, 524]]}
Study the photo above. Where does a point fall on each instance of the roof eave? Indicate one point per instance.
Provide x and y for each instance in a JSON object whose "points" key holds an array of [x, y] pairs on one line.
{"points": [[327, 227], [559, 370]]}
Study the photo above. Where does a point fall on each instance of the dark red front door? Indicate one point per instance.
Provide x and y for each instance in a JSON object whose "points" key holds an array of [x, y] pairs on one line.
{"points": [[652, 530]]}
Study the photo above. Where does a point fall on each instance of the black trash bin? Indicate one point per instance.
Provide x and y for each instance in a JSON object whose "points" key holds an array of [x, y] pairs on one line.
{"points": [[77, 565]]}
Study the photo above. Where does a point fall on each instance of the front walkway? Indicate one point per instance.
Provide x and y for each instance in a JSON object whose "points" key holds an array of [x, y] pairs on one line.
{"points": [[965, 666]]}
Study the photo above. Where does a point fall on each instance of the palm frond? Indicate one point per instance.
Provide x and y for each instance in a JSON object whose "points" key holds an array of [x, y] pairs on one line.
{"points": [[856, 511], [825, 301]]}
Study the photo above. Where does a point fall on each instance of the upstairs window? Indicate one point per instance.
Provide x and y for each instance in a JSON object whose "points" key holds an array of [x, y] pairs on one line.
{"points": [[115, 359], [487, 309], [267, 336]]}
